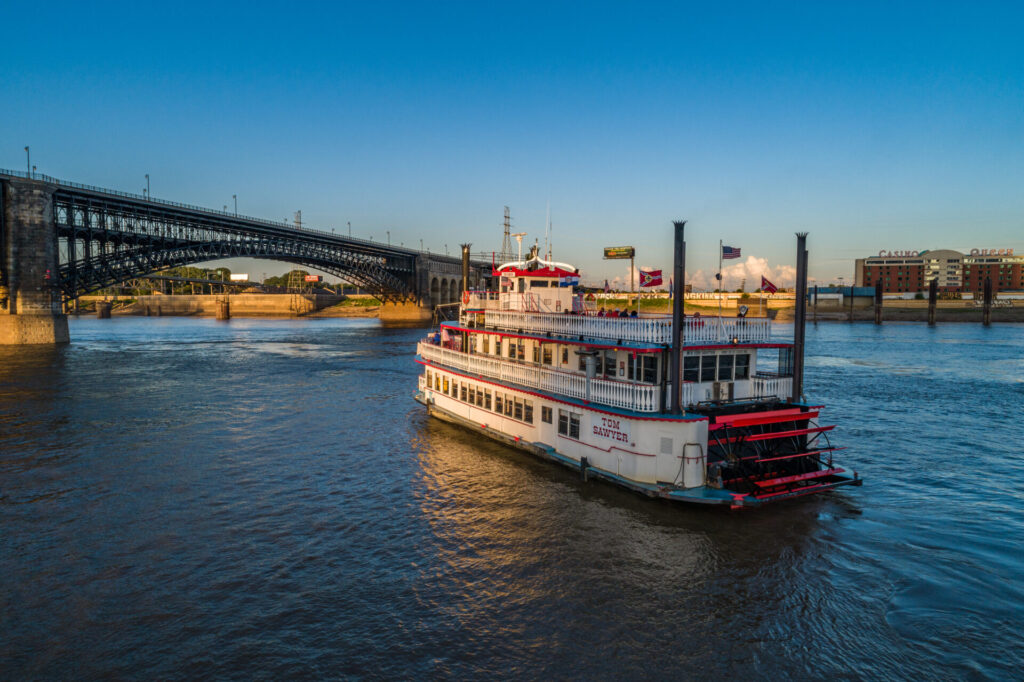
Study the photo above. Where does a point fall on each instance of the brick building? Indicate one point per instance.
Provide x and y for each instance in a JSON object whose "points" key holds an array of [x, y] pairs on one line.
{"points": [[911, 271]]}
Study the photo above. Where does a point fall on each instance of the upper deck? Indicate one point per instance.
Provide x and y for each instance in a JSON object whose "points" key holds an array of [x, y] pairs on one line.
{"points": [[697, 331]]}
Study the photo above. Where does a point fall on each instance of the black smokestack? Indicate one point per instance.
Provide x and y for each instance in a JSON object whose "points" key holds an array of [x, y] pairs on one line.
{"points": [[678, 300], [800, 323]]}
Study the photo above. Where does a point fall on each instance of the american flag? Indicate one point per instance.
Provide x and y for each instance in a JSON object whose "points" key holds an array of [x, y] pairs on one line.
{"points": [[730, 252]]}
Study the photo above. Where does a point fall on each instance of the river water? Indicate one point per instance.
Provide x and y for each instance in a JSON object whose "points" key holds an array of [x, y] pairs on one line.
{"points": [[263, 499]]}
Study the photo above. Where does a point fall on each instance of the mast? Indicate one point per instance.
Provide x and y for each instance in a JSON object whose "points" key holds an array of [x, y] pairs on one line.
{"points": [[678, 299], [800, 323]]}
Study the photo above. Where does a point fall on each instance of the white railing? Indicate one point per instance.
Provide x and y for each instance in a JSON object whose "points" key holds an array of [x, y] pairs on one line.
{"points": [[629, 396], [696, 330], [765, 385]]}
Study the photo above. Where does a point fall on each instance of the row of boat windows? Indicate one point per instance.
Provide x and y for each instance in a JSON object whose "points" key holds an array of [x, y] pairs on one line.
{"points": [[716, 367], [504, 403]]}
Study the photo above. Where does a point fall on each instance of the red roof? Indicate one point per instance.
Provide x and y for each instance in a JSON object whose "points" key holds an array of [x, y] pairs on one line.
{"points": [[539, 272]]}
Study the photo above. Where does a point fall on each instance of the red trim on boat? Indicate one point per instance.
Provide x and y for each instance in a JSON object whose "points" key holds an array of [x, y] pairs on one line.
{"points": [[799, 454], [772, 482], [778, 434], [547, 339], [753, 419]]}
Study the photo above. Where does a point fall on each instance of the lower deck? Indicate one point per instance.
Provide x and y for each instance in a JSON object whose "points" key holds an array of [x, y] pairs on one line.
{"points": [[682, 458]]}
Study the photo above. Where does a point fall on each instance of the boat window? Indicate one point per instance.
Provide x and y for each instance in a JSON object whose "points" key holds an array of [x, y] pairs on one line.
{"points": [[521, 351], [649, 369], [547, 355], [479, 397], [538, 283], [462, 392], [497, 403], [536, 352], [563, 422], [574, 425], [528, 411], [545, 415], [565, 355], [487, 400], [472, 395], [743, 366], [508, 405], [725, 363], [455, 389], [518, 414], [522, 285], [707, 367], [429, 382], [691, 368], [437, 382], [583, 362]]}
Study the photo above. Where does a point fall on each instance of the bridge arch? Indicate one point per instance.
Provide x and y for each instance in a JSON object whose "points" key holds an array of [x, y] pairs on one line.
{"points": [[454, 291], [435, 290]]}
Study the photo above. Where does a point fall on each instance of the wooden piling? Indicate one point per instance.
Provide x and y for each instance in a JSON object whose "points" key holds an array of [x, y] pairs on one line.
{"points": [[878, 301], [933, 294], [986, 315]]}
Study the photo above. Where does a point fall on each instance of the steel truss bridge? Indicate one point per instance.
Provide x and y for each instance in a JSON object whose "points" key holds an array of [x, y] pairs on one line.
{"points": [[106, 237]]}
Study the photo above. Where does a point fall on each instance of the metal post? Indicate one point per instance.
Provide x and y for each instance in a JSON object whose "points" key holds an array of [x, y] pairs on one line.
{"points": [[28, 162], [678, 315], [878, 301], [465, 267], [800, 323], [933, 294], [235, 197], [986, 318], [851, 304], [815, 304], [148, 192]]}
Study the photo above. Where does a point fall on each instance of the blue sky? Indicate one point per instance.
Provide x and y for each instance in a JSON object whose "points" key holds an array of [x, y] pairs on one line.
{"points": [[890, 125]]}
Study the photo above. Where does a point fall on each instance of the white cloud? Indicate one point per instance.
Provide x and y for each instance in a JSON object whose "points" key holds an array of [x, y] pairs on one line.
{"points": [[751, 270]]}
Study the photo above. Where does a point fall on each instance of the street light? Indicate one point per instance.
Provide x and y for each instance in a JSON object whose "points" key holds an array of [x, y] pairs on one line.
{"points": [[235, 197], [350, 228], [148, 193], [389, 237], [28, 162]]}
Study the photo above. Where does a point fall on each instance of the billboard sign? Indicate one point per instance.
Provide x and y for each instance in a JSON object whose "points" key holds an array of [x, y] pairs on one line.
{"points": [[240, 277], [614, 252], [314, 278]]}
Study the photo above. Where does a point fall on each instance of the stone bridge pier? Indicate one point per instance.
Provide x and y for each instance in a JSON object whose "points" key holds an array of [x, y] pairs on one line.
{"points": [[30, 300], [438, 282]]}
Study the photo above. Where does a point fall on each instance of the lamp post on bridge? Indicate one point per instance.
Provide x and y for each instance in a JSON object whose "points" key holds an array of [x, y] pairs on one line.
{"points": [[389, 237], [28, 162], [235, 197], [148, 192], [349, 228]]}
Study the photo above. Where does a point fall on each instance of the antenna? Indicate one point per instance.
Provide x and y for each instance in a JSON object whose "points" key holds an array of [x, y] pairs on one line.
{"points": [[506, 243], [547, 233], [518, 238]]}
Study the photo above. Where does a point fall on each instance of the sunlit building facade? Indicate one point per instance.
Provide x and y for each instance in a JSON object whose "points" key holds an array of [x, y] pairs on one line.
{"points": [[955, 272]]}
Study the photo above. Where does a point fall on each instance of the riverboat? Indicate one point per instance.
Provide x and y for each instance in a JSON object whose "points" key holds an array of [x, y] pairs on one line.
{"points": [[710, 415]]}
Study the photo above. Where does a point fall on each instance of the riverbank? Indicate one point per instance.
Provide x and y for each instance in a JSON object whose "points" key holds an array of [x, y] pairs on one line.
{"points": [[240, 305]]}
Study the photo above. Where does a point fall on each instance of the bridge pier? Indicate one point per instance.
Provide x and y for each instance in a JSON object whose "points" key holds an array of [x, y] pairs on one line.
{"points": [[30, 302], [405, 312]]}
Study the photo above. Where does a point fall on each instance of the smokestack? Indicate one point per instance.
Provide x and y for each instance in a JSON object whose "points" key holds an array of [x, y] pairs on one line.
{"points": [[465, 267], [678, 299], [800, 324]]}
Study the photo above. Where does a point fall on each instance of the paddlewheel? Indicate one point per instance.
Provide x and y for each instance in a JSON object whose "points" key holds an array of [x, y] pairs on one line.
{"points": [[771, 454]]}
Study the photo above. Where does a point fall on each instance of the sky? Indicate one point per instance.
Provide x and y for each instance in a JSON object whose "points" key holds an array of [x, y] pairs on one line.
{"points": [[895, 125]]}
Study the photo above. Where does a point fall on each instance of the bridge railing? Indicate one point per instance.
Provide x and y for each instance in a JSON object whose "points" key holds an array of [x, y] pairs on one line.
{"points": [[191, 207]]}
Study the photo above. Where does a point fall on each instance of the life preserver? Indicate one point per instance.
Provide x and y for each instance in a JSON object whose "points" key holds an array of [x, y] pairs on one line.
{"points": [[465, 297]]}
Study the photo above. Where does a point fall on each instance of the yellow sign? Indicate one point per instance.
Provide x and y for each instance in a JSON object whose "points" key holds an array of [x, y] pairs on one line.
{"points": [[618, 252]]}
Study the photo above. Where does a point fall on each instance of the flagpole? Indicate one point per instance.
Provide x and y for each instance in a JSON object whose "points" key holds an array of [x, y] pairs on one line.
{"points": [[721, 281]]}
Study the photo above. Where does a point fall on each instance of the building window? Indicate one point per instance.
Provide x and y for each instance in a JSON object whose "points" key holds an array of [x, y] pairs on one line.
{"points": [[569, 424], [725, 367], [707, 368], [691, 368], [545, 414], [742, 366]]}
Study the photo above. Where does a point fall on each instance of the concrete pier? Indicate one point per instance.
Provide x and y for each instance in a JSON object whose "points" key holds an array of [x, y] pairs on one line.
{"points": [[405, 312], [30, 304], [223, 310], [103, 309]]}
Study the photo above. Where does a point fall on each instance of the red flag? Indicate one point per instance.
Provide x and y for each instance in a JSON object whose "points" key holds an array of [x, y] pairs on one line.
{"points": [[651, 278], [768, 286]]}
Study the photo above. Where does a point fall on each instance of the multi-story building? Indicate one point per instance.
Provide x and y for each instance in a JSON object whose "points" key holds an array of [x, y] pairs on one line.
{"points": [[912, 271]]}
